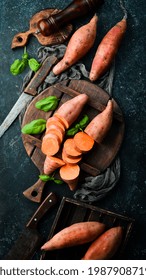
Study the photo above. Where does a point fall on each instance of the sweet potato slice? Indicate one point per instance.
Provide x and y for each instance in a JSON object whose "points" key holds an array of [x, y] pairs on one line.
{"points": [[55, 132], [51, 164], [50, 144], [70, 174], [70, 148], [56, 121], [83, 142], [69, 160], [105, 246], [55, 126], [62, 120]]}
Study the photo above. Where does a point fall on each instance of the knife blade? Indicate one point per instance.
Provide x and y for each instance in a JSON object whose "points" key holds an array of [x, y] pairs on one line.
{"points": [[28, 94], [30, 239]]}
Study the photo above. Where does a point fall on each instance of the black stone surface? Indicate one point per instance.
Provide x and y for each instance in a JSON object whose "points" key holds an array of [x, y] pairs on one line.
{"points": [[17, 172]]}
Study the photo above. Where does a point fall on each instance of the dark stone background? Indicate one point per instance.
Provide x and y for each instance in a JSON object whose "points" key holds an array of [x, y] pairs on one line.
{"points": [[17, 172]]}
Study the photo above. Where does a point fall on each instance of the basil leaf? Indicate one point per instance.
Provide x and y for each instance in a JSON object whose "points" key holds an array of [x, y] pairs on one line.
{"points": [[18, 66], [84, 121], [34, 127], [45, 178], [72, 131], [34, 64], [59, 182], [47, 104]]}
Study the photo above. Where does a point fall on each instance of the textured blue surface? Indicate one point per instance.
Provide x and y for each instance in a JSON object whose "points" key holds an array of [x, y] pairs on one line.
{"points": [[17, 172]]}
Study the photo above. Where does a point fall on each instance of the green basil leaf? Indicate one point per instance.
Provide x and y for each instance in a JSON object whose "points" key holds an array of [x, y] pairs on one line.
{"points": [[45, 178], [18, 66], [72, 131], [34, 64], [47, 104], [59, 182], [84, 121], [34, 127]]}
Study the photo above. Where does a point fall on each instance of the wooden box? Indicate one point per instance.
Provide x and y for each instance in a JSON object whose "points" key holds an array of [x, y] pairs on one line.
{"points": [[72, 211]]}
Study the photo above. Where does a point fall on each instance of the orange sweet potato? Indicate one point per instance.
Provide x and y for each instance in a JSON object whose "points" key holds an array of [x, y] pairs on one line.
{"points": [[83, 142], [100, 125], [69, 173], [107, 50], [79, 44], [51, 164], [75, 234], [105, 246]]}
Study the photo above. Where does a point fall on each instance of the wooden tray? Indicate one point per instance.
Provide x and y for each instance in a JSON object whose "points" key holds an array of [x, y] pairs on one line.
{"points": [[70, 212], [101, 156]]}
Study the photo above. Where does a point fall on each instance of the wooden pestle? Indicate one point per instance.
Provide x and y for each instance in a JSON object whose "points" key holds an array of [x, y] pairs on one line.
{"points": [[76, 9]]}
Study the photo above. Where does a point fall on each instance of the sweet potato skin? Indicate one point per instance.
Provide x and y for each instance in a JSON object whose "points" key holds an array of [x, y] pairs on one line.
{"points": [[98, 128], [79, 44], [75, 234], [105, 246], [107, 50]]}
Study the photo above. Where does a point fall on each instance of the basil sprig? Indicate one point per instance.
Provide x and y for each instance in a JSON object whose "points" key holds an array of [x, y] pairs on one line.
{"points": [[46, 178], [79, 126], [47, 104], [19, 65], [34, 127]]}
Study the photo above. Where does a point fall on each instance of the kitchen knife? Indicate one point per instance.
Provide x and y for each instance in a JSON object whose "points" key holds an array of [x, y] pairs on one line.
{"points": [[31, 240], [28, 94]]}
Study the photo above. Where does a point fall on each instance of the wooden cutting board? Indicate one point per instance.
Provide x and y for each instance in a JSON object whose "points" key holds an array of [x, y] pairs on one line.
{"points": [[101, 156]]}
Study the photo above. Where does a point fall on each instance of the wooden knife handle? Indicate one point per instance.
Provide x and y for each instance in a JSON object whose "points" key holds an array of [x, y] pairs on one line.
{"points": [[76, 9], [49, 201], [40, 75]]}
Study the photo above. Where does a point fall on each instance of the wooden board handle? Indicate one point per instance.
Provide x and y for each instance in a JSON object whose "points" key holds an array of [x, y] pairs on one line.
{"points": [[35, 192]]}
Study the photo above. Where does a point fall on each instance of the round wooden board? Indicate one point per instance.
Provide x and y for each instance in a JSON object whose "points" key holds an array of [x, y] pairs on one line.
{"points": [[101, 156]]}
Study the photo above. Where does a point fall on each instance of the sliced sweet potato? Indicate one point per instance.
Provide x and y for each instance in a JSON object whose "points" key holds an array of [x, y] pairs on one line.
{"points": [[62, 120], [55, 132], [70, 174], [56, 121], [70, 148], [50, 144], [69, 160], [55, 126], [83, 142], [51, 164]]}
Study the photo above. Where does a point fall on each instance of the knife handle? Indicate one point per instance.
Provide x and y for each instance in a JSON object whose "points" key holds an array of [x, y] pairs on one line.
{"points": [[40, 75], [76, 9], [48, 202]]}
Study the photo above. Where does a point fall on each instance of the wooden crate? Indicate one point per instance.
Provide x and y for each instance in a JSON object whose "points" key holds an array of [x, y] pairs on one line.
{"points": [[72, 211]]}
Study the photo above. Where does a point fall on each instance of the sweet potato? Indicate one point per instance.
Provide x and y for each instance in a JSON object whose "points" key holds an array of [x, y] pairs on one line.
{"points": [[70, 148], [50, 144], [83, 142], [55, 121], [56, 132], [105, 246], [75, 234], [70, 160], [79, 44], [55, 126], [107, 50], [51, 164], [98, 128], [70, 110], [69, 173]]}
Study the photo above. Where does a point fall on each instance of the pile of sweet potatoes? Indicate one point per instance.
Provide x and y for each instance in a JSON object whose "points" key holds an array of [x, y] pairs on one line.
{"points": [[72, 149], [102, 243]]}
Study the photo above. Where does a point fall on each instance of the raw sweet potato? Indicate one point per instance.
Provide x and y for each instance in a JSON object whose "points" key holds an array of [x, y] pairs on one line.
{"points": [[55, 121], [83, 142], [50, 144], [70, 174], [107, 50], [56, 132], [51, 164], [71, 109], [70, 160], [105, 246], [79, 44], [75, 234], [70, 148], [98, 128]]}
